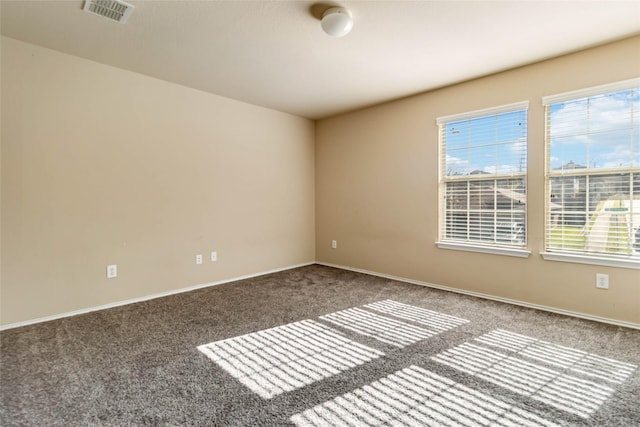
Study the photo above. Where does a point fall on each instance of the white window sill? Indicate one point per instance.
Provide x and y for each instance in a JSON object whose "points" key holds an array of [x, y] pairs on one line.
{"points": [[592, 259], [486, 249]]}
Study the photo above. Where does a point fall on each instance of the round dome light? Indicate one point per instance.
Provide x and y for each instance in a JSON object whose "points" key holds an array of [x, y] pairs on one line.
{"points": [[337, 21]]}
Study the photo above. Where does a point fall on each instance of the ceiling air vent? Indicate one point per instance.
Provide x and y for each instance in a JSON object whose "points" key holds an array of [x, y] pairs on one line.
{"points": [[111, 9]]}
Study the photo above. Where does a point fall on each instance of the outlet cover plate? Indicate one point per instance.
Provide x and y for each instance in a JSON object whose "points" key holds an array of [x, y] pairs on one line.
{"points": [[602, 281], [112, 271]]}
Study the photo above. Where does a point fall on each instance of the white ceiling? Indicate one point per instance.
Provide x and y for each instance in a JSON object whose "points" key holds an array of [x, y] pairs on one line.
{"points": [[274, 53]]}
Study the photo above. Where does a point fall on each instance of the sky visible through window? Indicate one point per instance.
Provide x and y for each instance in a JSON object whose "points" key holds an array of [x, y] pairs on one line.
{"points": [[597, 132], [600, 131], [494, 144]]}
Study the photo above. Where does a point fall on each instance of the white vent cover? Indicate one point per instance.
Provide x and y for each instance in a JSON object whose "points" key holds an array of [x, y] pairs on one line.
{"points": [[115, 10]]}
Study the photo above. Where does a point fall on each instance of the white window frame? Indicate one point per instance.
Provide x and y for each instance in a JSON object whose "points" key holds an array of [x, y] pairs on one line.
{"points": [[482, 247], [609, 260]]}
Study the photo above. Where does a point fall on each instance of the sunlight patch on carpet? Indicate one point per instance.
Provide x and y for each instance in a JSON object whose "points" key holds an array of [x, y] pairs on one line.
{"points": [[438, 321], [288, 357], [381, 328], [416, 397], [391, 330], [568, 379], [578, 361]]}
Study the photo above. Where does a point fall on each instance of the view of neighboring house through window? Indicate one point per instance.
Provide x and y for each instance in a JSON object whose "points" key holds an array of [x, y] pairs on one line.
{"points": [[483, 157], [593, 172]]}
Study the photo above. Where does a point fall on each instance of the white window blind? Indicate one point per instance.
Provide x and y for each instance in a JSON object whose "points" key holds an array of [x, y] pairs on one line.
{"points": [[483, 168], [593, 172]]}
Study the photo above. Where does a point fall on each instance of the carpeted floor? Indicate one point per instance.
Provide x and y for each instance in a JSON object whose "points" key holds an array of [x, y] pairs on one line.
{"points": [[320, 346]]}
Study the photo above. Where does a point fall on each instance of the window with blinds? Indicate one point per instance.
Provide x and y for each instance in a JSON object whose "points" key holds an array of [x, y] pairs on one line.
{"points": [[593, 171], [483, 169]]}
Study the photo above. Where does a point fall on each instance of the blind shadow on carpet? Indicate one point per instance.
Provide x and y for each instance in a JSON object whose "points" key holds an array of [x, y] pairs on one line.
{"points": [[536, 375]]}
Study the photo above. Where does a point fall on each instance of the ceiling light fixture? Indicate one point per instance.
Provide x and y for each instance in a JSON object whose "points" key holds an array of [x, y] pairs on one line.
{"points": [[337, 21]]}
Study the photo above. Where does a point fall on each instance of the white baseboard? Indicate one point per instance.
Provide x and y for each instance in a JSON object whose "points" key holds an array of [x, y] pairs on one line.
{"points": [[145, 298], [342, 267], [491, 297]]}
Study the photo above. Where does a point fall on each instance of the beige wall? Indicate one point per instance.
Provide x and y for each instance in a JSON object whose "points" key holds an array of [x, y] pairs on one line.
{"points": [[377, 190], [104, 166], [101, 166]]}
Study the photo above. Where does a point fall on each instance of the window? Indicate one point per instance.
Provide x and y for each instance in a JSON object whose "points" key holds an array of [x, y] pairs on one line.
{"points": [[483, 180], [593, 175]]}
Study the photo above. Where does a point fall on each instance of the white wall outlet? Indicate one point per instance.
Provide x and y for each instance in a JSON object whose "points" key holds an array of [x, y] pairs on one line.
{"points": [[199, 259], [214, 256], [334, 244], [112, 271], [602, 281]]}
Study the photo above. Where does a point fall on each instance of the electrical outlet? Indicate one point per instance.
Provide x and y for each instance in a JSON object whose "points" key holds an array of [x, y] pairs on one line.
{"points": [[199, 259], [112, 271], [602, 281], [214, 256], [334, 244]]}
